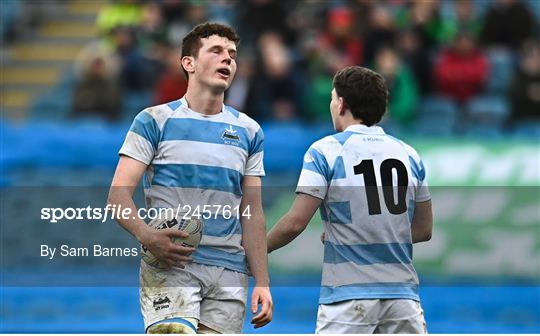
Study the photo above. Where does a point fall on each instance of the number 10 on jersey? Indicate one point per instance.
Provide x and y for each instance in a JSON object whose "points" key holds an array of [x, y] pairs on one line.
{"points": [[367, 169]]}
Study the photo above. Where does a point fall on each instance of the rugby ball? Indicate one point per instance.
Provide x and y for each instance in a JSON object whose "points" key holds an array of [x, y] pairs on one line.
{"points": [[191, 225]]}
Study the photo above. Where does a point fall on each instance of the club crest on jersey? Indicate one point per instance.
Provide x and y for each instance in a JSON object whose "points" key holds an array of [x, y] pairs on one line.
{"points": [[230, 137], [161, 302]]}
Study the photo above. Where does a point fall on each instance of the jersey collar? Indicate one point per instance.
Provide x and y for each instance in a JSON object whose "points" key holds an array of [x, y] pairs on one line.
{"points": [[363, 129], [185, 106]]}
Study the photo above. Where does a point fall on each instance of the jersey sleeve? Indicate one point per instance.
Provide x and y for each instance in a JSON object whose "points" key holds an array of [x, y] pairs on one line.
{"points": [[422, 193], [254, 164], [315, 173], [142, 139]]}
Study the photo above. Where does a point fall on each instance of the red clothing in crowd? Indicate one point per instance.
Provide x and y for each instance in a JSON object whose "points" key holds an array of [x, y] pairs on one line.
{"points": [[171, 86], [461, 76], [351, 49]]}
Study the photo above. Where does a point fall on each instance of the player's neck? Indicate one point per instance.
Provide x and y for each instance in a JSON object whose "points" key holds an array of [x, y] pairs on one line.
{"points": [[204, 101], [347, 121]]}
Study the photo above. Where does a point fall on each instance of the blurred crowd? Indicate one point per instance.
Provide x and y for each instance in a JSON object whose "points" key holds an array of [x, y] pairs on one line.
{"points": [[290, 50]]}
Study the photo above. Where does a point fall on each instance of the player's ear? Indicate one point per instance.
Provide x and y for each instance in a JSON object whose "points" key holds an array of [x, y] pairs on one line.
{"points": [[188, 63], [342, 107]]}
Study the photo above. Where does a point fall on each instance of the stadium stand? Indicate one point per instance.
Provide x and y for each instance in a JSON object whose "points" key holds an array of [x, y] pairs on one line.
{"points": [[46, 148]]}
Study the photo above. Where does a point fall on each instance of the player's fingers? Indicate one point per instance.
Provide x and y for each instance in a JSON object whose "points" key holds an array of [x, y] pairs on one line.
{"points": [[257, 319], [263, 314], [179, 258], [265, 309], [262, 324], [174, 233], [182, 250], [254, 302], [258, 325], [263, 320], [269, 312]]}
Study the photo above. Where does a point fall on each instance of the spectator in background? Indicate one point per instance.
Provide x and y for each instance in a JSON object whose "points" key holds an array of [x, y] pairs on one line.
{"points": [[524, 92], [337, 47], [152, 42], [277, 92], [340, 44], [380, 31], [152, 29], [465, 19], [97, 93], [417, 58], [401, 85], [119, 13], [132, 63], [173, 10], [172, 84], [309, 41], [241, 94], [462, 70], [306, 18], [508, 23], [183, 17], [261, 16], [424, 17], [362, 11], [222, 11]]}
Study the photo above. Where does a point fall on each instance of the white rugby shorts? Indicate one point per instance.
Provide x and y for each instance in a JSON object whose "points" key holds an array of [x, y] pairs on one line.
{"points": [[381, 316], [213, 295]]}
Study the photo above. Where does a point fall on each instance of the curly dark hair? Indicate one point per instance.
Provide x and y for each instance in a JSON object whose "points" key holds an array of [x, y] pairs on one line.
{"points": [[191, 44], [364, 92]]}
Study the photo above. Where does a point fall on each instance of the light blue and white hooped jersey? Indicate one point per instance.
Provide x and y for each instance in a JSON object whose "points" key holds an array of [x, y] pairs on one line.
{"points": [[195, 160], [368, 243]]}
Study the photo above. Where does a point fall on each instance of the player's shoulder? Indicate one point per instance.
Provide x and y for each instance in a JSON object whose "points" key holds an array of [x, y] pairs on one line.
{"points": [[162, 112], [329, 146], [243, 120], [406, 147]]}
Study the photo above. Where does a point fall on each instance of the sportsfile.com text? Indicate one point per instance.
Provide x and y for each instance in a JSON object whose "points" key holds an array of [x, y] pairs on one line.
{"points": [[53, 215]]}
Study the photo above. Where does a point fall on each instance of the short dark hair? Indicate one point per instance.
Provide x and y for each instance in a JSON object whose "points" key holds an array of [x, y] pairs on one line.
{"points": [[364, 92], [191, 44]]}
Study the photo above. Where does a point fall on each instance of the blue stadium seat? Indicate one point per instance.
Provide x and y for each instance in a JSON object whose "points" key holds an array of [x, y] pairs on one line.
{"points": [[289, 141], [481, 7], [54, 105], [446, 9], [49, 144], [502, 68], [134, 102], [488, 110], [484, 132], [527, 129], [534, 6], [437, 116], [10, 13]]}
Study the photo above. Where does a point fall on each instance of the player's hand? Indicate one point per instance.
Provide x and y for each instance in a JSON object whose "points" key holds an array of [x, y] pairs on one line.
{"points": [[159, 242], [322, 237], [262, 296]]}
